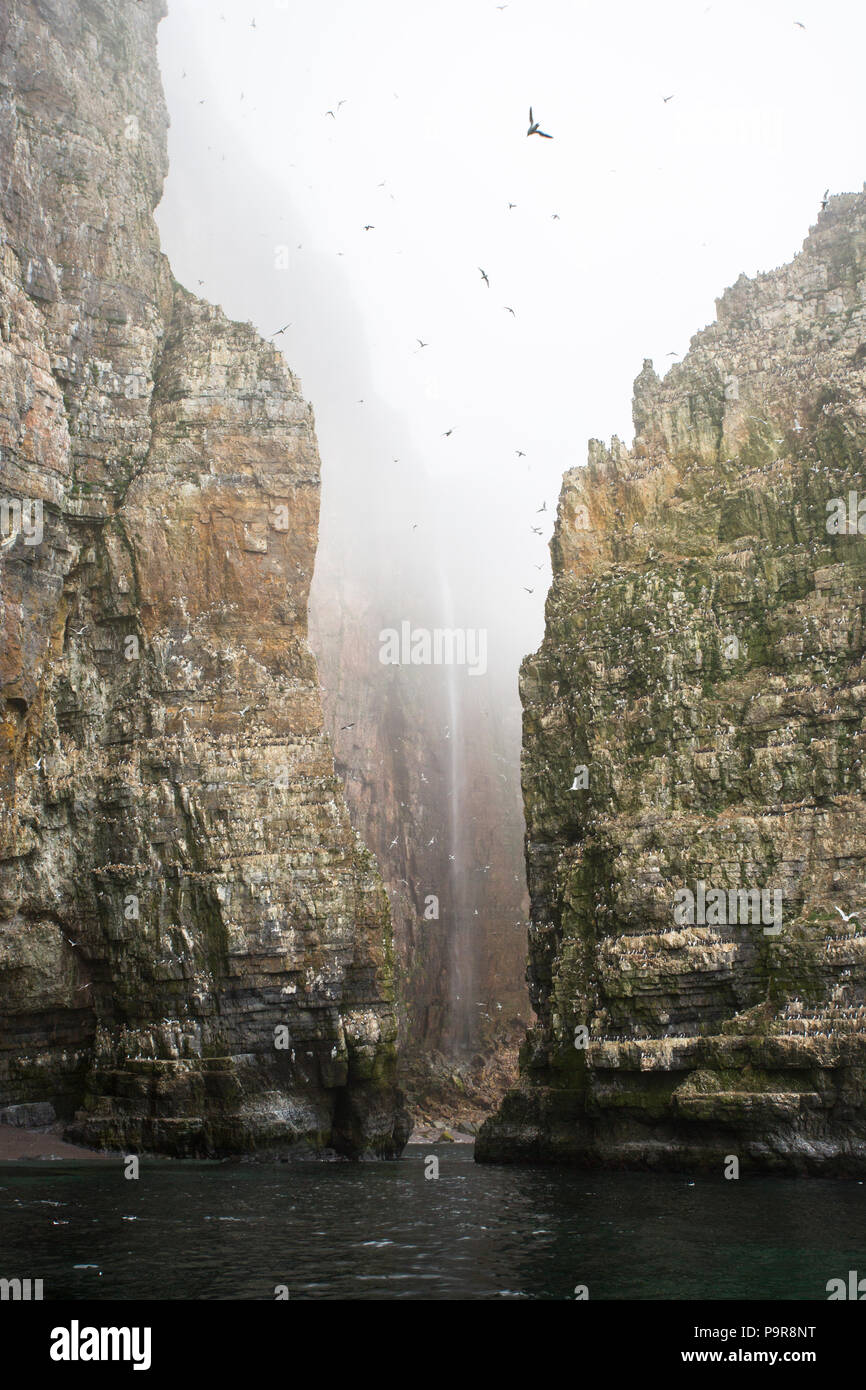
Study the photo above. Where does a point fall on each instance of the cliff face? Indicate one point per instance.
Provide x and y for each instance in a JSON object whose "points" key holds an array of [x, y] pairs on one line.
{"points": [[195, 950], [694, 721]]}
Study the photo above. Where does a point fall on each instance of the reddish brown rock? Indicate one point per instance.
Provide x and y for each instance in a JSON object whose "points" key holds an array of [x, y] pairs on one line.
{"points": [[195, 949]]}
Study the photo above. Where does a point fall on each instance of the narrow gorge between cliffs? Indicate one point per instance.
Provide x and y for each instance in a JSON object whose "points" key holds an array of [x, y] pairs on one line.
{"points": [[432, 840]]}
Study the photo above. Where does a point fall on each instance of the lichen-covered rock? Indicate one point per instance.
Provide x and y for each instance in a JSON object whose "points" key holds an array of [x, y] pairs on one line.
{"points": [[693, 721], [195, 948]]}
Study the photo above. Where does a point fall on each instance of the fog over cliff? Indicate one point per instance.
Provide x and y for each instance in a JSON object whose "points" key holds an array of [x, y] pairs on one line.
{"points": [[660, 203], [350, 171]]}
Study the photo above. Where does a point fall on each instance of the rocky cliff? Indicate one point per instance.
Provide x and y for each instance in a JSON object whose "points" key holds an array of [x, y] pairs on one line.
{"points": [[693, 767], [195, 948]]}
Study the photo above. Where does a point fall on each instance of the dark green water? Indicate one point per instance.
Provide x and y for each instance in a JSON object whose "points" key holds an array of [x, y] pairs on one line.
{"points": [[384, 1231]]}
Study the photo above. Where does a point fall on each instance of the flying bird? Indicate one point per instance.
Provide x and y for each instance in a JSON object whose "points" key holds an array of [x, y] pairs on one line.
{"points": [[421, 343], [670, 98], [520, 454], [445, 433], [846, 916], [536, 530], [534, 128], [281, 330], [368, 227], [484, 277], [529, 591], [510, 310], [348, 726], [511, 205]]}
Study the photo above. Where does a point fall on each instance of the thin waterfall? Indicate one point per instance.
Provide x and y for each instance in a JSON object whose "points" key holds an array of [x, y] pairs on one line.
{"points": [[461, 958]]}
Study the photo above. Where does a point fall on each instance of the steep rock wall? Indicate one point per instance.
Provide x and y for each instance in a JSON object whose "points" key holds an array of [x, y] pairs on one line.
{"points": [[704, 663], [179, 880]]}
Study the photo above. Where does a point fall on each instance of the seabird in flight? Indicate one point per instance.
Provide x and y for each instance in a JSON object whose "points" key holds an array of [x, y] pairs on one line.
{"points": [[534, 128], [846, 916]]}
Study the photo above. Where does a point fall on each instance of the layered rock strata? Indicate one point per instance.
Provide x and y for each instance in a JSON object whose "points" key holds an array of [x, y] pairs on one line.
{"points": [[195, 947], [693, 721]]}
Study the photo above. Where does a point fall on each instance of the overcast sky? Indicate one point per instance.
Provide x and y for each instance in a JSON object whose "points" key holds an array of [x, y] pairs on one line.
{"points": [[659, 206]]}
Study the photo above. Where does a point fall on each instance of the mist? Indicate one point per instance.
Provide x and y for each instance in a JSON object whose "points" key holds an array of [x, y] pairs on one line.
{"points": [[626, 225], [466, 306]]}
